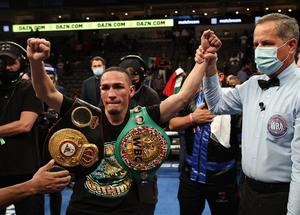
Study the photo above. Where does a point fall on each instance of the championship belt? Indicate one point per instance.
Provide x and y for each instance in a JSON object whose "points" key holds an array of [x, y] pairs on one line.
{"points": [[142, 145], [69, 148], [75, 138]]}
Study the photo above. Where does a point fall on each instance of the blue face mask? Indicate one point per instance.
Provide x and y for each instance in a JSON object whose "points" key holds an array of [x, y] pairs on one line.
{"points": [[98, 71], [266, 59]]}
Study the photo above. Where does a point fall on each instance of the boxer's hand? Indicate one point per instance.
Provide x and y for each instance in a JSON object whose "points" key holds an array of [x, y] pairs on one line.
{"points": [[210, 43], [38, 49], [202, 56]]}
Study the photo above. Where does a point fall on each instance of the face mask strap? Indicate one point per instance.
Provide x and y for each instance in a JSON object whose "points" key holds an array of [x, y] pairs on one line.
{"points": [[288, 53], [286, 58], [284, 45]]}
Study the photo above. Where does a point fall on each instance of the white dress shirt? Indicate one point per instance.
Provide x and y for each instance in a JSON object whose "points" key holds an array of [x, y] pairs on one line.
{"points": [[270, 130]]}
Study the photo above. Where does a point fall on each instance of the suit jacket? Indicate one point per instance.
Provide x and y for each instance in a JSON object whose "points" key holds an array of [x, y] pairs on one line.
{"points": [[90, 91]]}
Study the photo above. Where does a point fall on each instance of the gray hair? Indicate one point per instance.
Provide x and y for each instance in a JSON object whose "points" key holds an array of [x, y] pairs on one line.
{"points": [[286, 27]]}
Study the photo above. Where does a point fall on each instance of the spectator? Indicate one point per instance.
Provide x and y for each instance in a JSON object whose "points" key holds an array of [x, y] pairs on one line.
{"points": [[90, 91], [52, 73], [246, 70], [232, 81]]}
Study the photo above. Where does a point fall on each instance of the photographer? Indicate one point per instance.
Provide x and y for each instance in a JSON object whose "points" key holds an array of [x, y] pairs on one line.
{"points": [[19, 110]]}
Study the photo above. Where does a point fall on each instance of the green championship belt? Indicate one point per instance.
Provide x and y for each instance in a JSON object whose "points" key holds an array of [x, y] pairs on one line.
{"points": [[142, 145], [75, 138]]}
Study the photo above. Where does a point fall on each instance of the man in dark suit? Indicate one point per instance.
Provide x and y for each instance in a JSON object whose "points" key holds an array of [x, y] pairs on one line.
{"points": [[90, 91]]}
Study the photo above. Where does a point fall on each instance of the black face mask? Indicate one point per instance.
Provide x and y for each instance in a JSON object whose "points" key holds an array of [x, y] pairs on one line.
{"points": [[9, 78]]}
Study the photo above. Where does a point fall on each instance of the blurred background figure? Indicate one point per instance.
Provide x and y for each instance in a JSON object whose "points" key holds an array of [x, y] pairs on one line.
{"points": [[144, 95], [222, 78], [52, 73], [232, 81], [90, 91], [246, 70], [46, 121]]}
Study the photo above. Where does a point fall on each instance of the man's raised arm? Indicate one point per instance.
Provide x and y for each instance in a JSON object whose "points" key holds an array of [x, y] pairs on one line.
{"points": [[38, 50], [210, 43]]}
